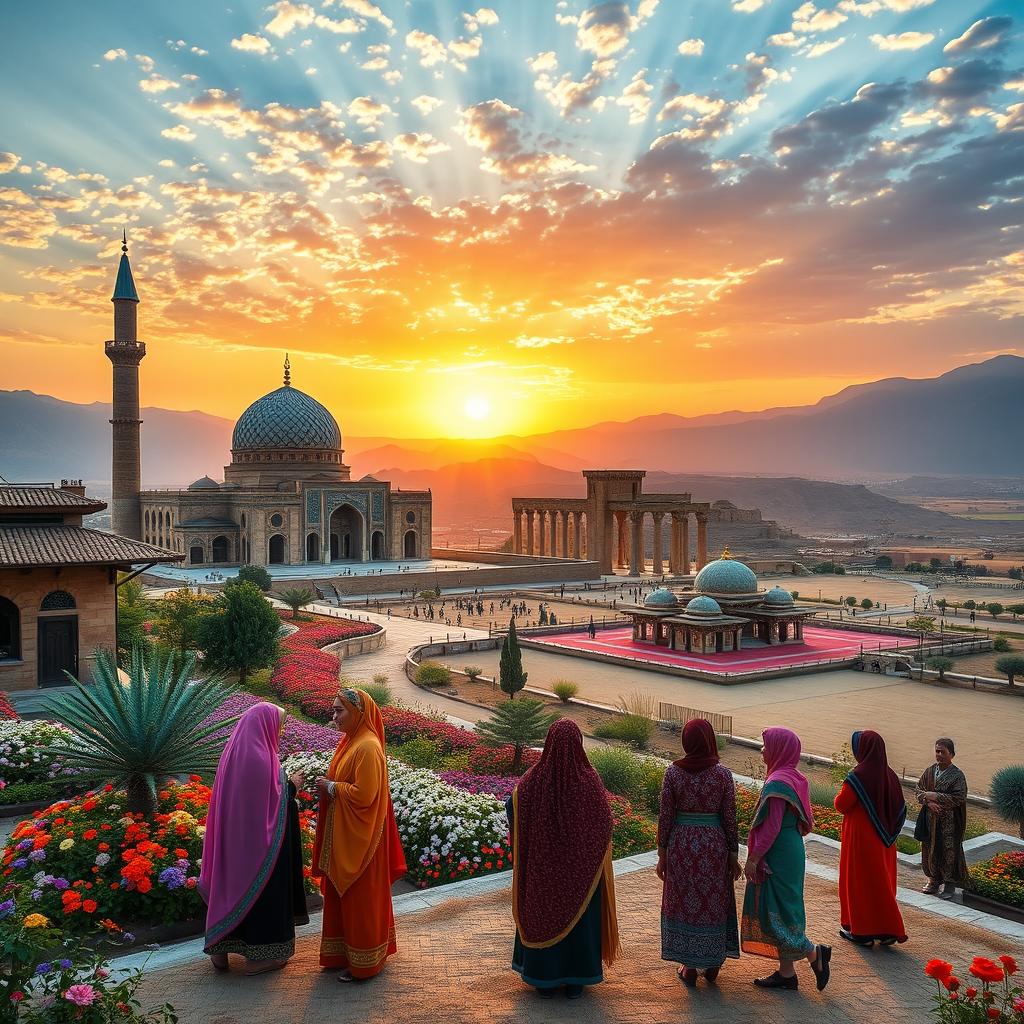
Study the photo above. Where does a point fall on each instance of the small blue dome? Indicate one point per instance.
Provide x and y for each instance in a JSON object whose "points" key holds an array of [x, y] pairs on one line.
{"points": [[204, 483], [286, 418], [778, 596], [703, 606], [725, 576], [661, 598]]}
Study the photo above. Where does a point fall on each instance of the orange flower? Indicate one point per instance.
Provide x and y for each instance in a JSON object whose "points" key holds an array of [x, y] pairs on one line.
{"points": [[89, 906], [985, 970], [938, 969], [1009, 964], [89, 833]]}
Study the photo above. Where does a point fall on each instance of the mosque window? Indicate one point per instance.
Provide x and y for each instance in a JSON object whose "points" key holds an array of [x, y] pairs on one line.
{"points": [[276, 520], [57, 601], [410, 517]]}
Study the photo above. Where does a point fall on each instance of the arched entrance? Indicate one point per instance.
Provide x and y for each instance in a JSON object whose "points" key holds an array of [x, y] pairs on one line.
{"points": [[10, 629], [276, 550], [220, 549], [346, 528], [313, 547], [410, 547], [195, 553], [377, 545]]}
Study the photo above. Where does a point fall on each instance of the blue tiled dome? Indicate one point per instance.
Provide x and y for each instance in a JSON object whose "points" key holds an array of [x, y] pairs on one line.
{"points": [[725, 576], [778, 596], [703, 606], [204, 483], [286, 418], [661, 598]]}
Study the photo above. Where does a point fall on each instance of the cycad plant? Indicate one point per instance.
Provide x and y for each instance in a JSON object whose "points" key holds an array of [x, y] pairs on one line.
{"points": [[140, 732], [297, 599], [517, 723]]}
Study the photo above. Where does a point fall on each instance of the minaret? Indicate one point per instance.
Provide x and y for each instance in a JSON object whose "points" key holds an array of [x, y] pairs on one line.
{"points": [[126, 352]]}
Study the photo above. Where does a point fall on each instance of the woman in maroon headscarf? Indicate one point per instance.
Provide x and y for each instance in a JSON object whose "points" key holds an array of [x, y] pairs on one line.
{"points": [[251, 876], [698, 846], [563, 890], [873, 808]]}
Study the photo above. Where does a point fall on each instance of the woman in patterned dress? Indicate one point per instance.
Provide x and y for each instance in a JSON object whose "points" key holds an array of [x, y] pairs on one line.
{"points": [[698, 858]]}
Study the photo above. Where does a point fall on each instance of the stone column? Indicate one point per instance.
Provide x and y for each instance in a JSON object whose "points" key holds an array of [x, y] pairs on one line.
{"points": [[565, 534], [553, 524], [702, 540], [673, 544], [636, 547], [517, 531], [542, 539], [529, 532], [656, 568], [684, 544], [620, 539], [577, 550]]}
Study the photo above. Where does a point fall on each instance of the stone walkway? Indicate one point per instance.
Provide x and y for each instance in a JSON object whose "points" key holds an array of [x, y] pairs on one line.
{"points": [[453, 965]]}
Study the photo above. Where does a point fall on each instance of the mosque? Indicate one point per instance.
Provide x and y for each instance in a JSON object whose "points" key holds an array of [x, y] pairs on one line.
{"points": [[725, 612], [287, 497]]}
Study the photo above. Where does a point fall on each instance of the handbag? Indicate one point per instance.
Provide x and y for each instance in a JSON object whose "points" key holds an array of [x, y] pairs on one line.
{"points": [[921, 827]]}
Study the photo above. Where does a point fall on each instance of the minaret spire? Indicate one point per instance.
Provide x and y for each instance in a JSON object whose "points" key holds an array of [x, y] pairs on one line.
{"points": [[287, 372]]}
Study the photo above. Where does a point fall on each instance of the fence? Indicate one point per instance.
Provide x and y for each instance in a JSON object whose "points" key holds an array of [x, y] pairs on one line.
{"points": [[722, 724]]}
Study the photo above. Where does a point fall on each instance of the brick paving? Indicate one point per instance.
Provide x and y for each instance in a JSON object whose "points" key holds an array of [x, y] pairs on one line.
{"points": [[453, 966]]}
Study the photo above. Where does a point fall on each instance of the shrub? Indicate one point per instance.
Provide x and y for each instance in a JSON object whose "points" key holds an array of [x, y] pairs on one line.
{"points": [[631, 833], [794, 594], [29, 793], [970, 605], [842, 764], [851, 601], [995, 609], [178, 619], [635, 730], [511, 677], [429, 595], [252, 574], [433, 674], [822, 793], [419, 752], [721, 742], [473, 672], [638, 703], [654, 779], [379, 693], [565, 690], [402, 725], [516, 723], [499, 760], [133, 614], [621, 771], [1000, 645], [866, 603], [1011, 665], [1007, 793], [941, 665]]}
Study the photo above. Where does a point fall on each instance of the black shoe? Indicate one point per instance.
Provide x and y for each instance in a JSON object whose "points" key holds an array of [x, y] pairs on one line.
{"points": [[845, 933], [821, 968], [711, 974], [776, 980], [573, 991], [688, 976], [545, 993]]}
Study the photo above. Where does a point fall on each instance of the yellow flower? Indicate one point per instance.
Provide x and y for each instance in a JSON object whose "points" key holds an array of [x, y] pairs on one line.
{"points": [[67, 844], [36, 921]]}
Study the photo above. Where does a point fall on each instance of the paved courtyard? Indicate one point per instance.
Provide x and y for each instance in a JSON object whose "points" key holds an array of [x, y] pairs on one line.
{"points": [[453, 965], [820, 645]]}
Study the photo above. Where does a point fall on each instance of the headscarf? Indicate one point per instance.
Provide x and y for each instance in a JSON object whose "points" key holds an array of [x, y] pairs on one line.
{"points": [[245, 825], [782, 755], [351, 824], [877, 786], [700, 746], [561, 839]]}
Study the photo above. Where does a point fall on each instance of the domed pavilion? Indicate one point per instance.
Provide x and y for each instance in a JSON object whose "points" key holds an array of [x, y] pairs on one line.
{"points": [[288, 498], [725, 612]]}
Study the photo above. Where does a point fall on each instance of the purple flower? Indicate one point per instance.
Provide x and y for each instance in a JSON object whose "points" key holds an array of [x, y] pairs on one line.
{"points": [[61, 884], [173, 878], [44, 968], [37, 856], [182, 863], [496, 785], [25, 844], [6, 909], [127, 937], [19, 862], [65, 965], [36, 894]]}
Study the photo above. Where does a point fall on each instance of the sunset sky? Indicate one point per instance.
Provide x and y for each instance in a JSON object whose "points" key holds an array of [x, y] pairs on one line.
{"points": [[468, 221]]}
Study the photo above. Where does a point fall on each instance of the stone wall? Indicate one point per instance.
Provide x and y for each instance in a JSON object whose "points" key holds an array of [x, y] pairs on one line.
{"points": [[93, 590]]}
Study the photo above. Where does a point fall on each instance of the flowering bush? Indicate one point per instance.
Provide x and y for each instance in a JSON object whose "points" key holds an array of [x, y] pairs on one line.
{"points": [[827, 820], [86, 859], [297, 736], [997, 1000], [1000, 878], [402, 725], [305, 674], [499, 786], [6, 708], [31, 762], [498, 760], [631, 832]]}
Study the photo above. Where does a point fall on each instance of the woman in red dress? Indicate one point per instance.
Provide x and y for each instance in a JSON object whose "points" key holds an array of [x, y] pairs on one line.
{"points": [[873, 807]]}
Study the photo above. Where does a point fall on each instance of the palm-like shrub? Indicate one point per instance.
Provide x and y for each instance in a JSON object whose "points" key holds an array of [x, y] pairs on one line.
{"points": [[1007, 794], [297, 599], [138, 733], [516, 723]]}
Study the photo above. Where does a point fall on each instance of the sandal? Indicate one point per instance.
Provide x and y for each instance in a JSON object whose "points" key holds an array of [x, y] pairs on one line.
{"points": [[346, 977], [931, 889], [845, 933]]}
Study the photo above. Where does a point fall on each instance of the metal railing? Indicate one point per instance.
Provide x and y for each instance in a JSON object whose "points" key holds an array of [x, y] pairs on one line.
{"points": [[722, 724]]}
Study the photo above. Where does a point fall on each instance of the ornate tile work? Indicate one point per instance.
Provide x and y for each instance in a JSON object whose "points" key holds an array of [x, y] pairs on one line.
{"points": [[312, 507], [378, 506], [357, 499], [286, 418]]}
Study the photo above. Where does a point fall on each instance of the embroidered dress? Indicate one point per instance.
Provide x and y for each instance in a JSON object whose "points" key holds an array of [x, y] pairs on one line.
{"points": [[697, 830], [942, 852]]}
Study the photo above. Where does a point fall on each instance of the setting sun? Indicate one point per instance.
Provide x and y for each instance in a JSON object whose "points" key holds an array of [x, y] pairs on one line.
{"points": [[477, 408]]}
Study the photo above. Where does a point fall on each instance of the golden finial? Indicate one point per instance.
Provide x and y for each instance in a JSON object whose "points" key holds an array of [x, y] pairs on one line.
{"points": [[287, 372], [726, 553]]}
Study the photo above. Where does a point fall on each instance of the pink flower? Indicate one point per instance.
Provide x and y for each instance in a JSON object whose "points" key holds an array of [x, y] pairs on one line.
{"points": [[102, 973], [81, 995]]}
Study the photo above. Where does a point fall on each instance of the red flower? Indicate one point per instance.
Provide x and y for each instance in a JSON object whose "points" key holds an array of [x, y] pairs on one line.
{"points": [[89, 906], [1009, 964], [985, 970], [89, 833], [938, 969], [952, 983], [971, 992], [994, 1012]]}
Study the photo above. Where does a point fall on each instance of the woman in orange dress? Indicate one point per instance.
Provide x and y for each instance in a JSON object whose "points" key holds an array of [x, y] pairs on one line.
{"points": [[873, 807], [357, 854]]}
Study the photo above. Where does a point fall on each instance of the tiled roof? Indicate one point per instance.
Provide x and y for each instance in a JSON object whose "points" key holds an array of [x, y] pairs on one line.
{"points": [[286, 418], [74, 545], [33, 496]]}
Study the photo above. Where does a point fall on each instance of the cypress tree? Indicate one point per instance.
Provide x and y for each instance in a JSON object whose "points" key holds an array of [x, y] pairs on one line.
{"points": [[511, 676]]}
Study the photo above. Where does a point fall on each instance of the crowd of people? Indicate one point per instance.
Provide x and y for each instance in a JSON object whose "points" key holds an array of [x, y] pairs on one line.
{"points": [[563, 887]]}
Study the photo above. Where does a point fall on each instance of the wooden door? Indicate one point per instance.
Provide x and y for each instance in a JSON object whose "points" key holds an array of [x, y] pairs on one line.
{"points": [[58, 649]]}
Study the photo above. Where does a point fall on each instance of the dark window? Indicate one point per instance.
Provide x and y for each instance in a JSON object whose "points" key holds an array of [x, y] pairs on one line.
{"points": [[220, 549], [10, 630], [410, 517], [313, 548], [276, 520], [276, 550], [57, 601], [411, 545], [195, 554]]}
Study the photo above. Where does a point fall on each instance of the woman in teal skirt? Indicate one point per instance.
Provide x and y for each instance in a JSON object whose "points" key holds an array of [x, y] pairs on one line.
{"points": [[773, 905]]}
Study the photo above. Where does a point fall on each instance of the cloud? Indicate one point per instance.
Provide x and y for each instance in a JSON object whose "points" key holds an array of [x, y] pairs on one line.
{"points": [[24, 222], [431, 50], [691, 47], [483, 16], [534, 341], [748, 6], [809, 19], [180, 133], [982, 35], [902, 40], [289, 16], [251, 43], [494, 127], [547, 61], [157, 84], [8, 161], [820, 49], [570, 95], [605, 28], [368, 111], [636, 98], [116, 55], [426, 104], [367, 10], [419, 147]]}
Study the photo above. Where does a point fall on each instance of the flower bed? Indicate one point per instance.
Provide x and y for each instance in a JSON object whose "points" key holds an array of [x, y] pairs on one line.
{"points": [[988, 995], [7, 711], [499, 786], [402, 725], [297, 737], [305, 674], [31, 767], [827, 820], [1001, 878]]}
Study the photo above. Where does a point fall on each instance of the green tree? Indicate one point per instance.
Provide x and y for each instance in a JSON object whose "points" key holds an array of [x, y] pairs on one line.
{"points": [[942, 604], [866, 603], [970, 605], [1016, 609], [511, 677], [921, 623], [297, 599], [253, 574], [1006, 791], [1010, 665], [851, 601], [179, 618], [935, 563], [995, 609], [133, 612], [883, 562], [141, 732], [940, 665], [241, 634], [517, 723]]}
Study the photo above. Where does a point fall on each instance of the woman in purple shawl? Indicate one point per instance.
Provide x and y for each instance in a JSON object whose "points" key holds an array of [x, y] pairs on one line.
{"points": [[251, 876], [773, 905]]}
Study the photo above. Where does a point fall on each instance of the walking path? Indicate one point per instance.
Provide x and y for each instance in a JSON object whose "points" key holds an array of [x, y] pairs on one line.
{"points": [[453, 966]]}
